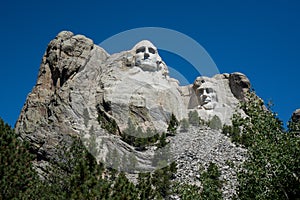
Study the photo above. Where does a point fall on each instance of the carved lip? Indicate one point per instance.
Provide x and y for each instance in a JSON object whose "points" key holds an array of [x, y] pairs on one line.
{"points": [[207, 100], [147, 60]]}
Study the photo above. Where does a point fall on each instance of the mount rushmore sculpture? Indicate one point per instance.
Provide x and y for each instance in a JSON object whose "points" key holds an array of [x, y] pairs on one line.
{"points": [[81, 89]]}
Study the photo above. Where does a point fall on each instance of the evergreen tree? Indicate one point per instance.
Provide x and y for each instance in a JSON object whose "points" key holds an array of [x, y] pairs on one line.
{"points": [[272, 170], [184, 125], [17, 176], [173, 124], [136, 137], [215, 123], [194, 119], [161, 179], [211, 183], [74, 175], [123, 189], [294, 127], [145, 187], [162, 140]]}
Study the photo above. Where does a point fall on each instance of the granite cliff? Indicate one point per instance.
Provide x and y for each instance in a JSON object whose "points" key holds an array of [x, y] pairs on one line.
{"points": [[82, 91]]}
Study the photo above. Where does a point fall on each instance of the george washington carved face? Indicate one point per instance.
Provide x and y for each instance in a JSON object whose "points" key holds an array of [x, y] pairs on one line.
{"points": [[146, 56]]}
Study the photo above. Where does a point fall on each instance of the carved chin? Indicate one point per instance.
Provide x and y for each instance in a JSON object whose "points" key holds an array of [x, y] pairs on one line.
{"points": [[148, 66], [208, 106]]}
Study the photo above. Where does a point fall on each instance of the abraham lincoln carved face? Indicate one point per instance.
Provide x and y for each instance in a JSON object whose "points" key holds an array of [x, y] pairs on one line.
{"points": [[207, 96]]}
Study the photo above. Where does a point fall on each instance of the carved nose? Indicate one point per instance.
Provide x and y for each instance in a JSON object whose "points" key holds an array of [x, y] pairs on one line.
{"points": [[146, 55]]}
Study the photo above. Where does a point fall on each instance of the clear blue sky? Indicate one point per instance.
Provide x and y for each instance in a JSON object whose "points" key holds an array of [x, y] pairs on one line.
{"points": [[258, 38]]}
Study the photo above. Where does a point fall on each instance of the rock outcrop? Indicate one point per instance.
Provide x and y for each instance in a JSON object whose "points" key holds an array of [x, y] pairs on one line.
{"points": [[82, 91], [54, 108], [214, 97], [239, 85], [296, 116]]}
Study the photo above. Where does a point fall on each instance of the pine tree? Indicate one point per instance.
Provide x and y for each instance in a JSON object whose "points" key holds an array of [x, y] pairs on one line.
{"points": [[184, 125], [215, 123], [211, 183], [173, 124], [17, 176], [194, 119], [272, 170]]}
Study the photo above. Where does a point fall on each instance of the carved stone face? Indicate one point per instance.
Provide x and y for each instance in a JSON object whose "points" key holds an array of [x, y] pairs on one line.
{"points": [[207, 96], [146, 56]]}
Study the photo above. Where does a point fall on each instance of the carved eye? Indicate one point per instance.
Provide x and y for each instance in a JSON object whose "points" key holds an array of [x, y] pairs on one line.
{"points": [[151, 50], [201, 91], [140, 50], [209, 90]]}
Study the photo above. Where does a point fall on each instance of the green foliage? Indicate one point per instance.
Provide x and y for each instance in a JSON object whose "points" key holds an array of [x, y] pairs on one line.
{"points": [[74, 175], [146, 188], [294, 127], [215, 123], [173, 125], [184, 125], [107, 123], [234, 133], [157, 185], [138, 138], [272, 170], [230, 163], [187, 192], [17, 176], [123, 189], [162, 154], [194, 119], [211, 186], [79, 177], [211, 183], [162, 140], [161, 181]]}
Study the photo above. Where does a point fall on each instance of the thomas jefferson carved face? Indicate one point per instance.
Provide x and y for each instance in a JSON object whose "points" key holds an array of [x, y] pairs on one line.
{"points": [[207, 96], [146, 56]]}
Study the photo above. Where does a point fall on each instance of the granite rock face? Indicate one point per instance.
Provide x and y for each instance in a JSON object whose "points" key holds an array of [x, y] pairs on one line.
{"points": [[213, 96], [296, 116], [78, 83], [239, 85], [82, 91], [49, 115]]}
